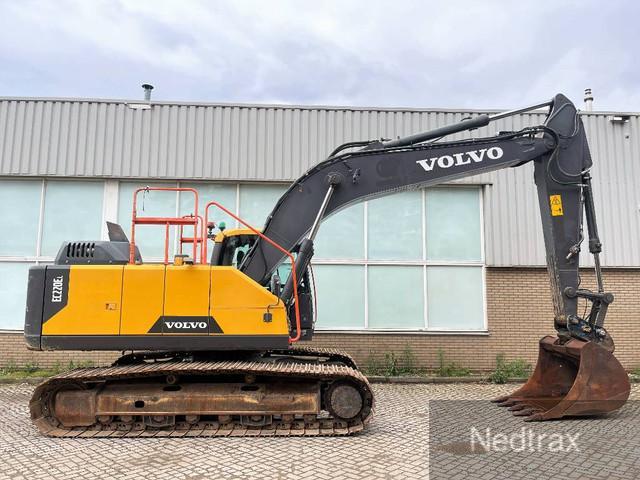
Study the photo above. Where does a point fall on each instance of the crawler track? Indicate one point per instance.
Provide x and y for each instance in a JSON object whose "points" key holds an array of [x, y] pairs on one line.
{"points": [[329, 366]]}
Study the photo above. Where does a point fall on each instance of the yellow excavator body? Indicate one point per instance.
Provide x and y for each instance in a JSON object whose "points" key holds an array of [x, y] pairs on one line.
{"points": [[165, 300]]}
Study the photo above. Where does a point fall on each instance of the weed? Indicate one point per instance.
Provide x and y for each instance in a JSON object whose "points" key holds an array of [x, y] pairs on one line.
{"points": [[506, 370], [408, 361], [10, 367], [57, 368], [373, 365], [80, 364], [450, 369], [391, 364], [31, 367]]}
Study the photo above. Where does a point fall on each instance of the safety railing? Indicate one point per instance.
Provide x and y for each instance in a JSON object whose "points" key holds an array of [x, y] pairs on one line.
{"points": [[166, 221], [200, 238]]}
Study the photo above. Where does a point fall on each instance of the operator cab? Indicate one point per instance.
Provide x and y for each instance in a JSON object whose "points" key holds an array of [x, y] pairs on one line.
{"points": [[231, 246]]}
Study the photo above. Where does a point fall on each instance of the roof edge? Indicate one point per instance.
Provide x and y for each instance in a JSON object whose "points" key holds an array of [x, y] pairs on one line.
{"points": [[284, 106]]}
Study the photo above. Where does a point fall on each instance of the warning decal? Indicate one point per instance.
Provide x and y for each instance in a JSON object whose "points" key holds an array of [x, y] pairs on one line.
{"points": [[556, 205]]}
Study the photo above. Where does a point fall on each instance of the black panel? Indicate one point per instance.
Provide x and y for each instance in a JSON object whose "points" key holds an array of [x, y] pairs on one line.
{"points": [[35, 300], [95, 253], [165, 342], [116, 233], [56, 290]]}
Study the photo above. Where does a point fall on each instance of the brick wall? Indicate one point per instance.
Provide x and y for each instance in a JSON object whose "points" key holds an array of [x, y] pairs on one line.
{"points": [[519, 313]]}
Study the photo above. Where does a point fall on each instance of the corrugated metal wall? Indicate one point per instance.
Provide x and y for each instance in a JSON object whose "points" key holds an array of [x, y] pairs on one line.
{"points": [[276, 143]]}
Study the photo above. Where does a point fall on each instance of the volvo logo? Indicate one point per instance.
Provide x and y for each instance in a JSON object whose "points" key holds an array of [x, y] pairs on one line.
{"points": [[185, 325], [465, 158]]}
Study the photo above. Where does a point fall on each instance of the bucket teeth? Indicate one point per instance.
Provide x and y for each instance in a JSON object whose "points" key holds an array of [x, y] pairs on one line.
{"points": [[501, 399], [535, 417], [525, 412], [570, 379]]}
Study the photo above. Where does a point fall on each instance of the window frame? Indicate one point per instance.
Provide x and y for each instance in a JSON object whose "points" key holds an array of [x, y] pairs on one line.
{"points": [[111, 205], [425, 264], [37, 258]]}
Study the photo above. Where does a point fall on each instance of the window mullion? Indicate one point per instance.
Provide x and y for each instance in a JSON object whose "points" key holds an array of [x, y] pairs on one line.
{"points": [[237, 205], [40, 221], [366, 266], [424, 258]]}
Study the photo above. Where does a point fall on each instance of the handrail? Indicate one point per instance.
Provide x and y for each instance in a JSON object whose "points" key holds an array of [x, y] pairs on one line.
{"points": [[167, 221], [199, 238], [274, 244]]}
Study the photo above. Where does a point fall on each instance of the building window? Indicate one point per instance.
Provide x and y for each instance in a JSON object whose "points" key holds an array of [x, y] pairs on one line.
{"points": [[72, 211], [455, 298], [453, 225], [257, 201], [341, 236], [412, 261], [225, 194], [396, 297], [13, 294], [37, 216], [394, 227], [19, 217], [421, 263], [341, 293], [150, 239]]}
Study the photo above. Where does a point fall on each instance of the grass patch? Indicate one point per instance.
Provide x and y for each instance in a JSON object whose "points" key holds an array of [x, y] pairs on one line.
{"points": [[32, 370], [517, 368], [392, 365], [405, 364], [450, 369]]}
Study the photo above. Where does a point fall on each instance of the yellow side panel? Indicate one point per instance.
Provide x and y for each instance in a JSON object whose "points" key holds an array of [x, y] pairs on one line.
{"points": [[142, 298], [187, 290], [238, 305], [93, 304]]}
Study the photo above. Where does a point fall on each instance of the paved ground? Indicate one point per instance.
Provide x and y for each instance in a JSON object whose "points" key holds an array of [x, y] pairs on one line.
{"points": [[395, 445]]}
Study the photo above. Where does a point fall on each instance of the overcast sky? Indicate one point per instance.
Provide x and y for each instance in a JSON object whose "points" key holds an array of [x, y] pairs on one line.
{"points": [[474, 54]]}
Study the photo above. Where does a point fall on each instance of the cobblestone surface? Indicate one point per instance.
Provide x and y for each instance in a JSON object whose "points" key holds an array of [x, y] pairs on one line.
{"points": [[395, 446]]}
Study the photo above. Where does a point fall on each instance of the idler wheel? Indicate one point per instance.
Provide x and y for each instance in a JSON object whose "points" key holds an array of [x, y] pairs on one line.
{"points": [[343, 400]]}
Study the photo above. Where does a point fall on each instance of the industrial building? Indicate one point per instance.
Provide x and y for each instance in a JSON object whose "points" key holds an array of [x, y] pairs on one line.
{"points": [[458, 268]]}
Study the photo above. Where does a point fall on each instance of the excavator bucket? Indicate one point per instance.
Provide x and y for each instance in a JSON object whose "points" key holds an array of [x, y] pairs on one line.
{"points": [[575, 378]]}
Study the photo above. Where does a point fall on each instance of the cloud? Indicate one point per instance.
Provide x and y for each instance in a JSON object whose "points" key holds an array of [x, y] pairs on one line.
{"points": [[463, 54]]}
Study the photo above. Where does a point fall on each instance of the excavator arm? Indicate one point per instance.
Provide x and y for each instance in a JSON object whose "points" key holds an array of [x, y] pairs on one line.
{"points": [[562, 161]]}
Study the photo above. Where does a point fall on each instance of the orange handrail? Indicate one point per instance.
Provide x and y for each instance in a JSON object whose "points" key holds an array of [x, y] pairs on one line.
{"points": [[199, 238], [166, 221], [274, 244]]}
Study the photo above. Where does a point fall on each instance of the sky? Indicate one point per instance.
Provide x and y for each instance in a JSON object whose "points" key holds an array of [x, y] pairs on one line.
{"points": [[422, 54]]}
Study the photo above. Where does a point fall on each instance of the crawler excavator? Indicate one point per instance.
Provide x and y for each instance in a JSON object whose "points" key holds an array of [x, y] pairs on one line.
{"points": [[213, 338]]}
